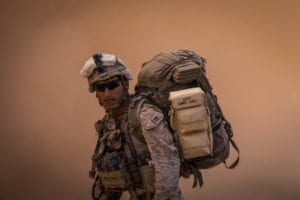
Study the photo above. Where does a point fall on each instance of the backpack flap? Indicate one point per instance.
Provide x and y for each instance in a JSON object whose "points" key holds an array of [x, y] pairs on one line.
{"points": [[186, 72]]}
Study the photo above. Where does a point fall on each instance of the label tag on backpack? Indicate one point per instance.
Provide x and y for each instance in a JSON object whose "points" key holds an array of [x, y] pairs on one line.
{"points": [[189, 116]]}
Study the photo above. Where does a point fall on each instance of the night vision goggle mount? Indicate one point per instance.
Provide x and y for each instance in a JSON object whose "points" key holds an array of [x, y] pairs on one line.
{"points": [[99, 64]]}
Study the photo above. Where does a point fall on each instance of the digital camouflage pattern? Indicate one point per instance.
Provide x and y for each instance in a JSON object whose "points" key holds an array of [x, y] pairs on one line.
{"points": [[164, 154]]}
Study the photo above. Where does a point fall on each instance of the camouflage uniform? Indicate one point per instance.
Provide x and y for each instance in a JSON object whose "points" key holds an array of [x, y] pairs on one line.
{"points": [[163, 152]]}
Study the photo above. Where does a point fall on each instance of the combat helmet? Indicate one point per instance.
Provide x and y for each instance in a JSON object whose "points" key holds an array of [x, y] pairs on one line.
{"points": [[101, 67]]}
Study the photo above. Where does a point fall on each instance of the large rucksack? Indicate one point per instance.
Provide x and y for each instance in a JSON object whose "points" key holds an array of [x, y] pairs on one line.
{"points": [[176, 82]]}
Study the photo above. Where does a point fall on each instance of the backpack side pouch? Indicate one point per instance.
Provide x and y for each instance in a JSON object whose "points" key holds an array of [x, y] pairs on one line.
{"points": [[189, 116]]}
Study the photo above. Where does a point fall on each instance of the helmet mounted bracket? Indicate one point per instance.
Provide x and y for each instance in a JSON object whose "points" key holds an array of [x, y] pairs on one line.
{"points": [[99, 65]]}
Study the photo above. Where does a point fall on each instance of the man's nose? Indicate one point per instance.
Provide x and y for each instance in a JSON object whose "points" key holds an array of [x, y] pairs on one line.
{"points": [[107, 92]]}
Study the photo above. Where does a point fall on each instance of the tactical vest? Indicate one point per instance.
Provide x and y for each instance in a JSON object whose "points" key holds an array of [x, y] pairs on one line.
{"points": [[120, 160]]}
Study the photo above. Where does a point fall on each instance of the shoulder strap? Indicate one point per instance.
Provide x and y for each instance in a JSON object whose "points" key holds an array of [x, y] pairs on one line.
{"points": [[134, 111]]}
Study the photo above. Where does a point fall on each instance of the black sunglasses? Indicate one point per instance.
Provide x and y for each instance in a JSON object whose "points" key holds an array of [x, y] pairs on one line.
{"points": [[109, 85]]}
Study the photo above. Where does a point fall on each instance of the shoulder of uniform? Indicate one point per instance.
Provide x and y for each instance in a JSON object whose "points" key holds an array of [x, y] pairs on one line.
{"points": [[134, 109], [151, 107], [150, 116]]}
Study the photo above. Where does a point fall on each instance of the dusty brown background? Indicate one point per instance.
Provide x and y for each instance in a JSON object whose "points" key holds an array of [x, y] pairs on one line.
{"points": [[47, 114]]}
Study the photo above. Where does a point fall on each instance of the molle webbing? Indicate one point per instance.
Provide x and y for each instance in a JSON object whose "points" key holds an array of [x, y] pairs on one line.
{"points": [[114, 179], [186, 73]]}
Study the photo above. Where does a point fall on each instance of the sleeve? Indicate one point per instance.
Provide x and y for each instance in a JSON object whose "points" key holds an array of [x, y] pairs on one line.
{"points": [[163, 152]]}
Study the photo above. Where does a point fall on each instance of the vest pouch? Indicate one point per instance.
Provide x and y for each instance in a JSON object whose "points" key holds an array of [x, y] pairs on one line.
{"points": [[116, 173], [113, 179], [147, 174], [189, 117]]}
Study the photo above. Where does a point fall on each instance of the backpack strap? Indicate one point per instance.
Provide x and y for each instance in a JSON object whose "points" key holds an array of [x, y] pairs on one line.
{"points": [[134, 111], [204, 84], [197, 176], [134, 127], [228, 129], [236, 162]]}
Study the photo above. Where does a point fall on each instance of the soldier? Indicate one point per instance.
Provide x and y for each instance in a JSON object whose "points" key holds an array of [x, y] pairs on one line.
{"points": [[143, 162]]}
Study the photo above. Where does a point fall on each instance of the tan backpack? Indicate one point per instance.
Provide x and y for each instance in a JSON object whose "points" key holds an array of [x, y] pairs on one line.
{"points": [[177, 83]]}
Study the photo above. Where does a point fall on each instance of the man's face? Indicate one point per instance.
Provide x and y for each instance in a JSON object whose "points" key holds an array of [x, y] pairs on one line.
{"points": [[110, 92]]}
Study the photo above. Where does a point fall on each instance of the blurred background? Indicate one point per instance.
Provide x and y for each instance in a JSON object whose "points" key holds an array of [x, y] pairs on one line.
{"points": [[47, 114]]}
